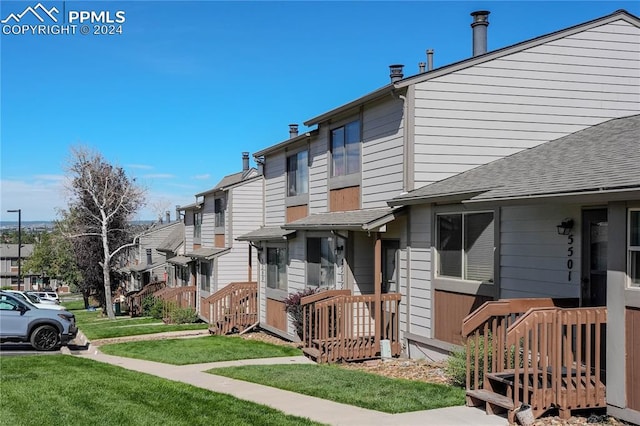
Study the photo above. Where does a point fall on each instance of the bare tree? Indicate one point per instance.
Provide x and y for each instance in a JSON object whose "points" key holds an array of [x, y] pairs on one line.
{"points": [[103, 202]]}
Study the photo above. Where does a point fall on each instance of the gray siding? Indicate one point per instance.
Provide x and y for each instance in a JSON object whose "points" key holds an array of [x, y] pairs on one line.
{"points": [[533, 257], [419, 302], [152, 239], [382, 153], [275, 173], [318, 172], [207, 234], [481, 113]]}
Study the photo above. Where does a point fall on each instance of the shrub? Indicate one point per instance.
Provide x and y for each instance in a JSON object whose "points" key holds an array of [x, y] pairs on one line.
{"points": [[456, 369], [183, 316], [152, 307], [294, 309]]}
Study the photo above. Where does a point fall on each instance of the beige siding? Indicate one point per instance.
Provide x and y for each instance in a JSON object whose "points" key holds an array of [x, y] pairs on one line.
{"points": [[363, 263], [275, 174], [207, 237], [419, 302], [318, 172], [382, 153], [481, 113], [533, 257]]}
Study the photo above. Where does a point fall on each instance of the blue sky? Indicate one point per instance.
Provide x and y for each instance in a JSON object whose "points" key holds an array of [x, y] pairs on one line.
{"points": [[188, 86]]}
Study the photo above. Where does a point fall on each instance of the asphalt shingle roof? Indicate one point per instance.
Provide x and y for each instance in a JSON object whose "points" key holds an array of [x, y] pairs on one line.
{"points": [[8, 251], [174, 240], [604, 157], [356, 220], [266, 233], [207, 253]]}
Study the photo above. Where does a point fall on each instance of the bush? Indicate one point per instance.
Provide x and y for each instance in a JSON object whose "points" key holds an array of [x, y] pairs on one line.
{"points": [[456, 369], [294, 309], [183, 316], [152, 307]]}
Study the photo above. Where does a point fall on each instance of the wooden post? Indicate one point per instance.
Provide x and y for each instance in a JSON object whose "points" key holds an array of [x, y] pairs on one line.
{"points": [[377, 285]]}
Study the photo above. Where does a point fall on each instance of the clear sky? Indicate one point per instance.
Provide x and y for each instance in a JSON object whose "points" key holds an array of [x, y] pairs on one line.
{"points": [[188, 86]]}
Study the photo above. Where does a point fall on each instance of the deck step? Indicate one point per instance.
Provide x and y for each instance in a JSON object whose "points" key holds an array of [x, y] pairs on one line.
{"points": [[491, 398], [505, 377], [311, 352]]}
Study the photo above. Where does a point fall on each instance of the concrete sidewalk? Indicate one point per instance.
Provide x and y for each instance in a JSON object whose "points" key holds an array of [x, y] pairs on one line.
{"points": [[316, 409]]}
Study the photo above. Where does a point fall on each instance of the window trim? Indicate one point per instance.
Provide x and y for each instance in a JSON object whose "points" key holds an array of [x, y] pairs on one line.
{"points": [[335, 260], [289, 156], [219, 216], [343, 124], [464, 286], [197, 225], [631, 249], [286, 268]]}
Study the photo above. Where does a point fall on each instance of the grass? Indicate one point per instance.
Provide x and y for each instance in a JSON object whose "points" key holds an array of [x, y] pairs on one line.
{"points": [[350, 387], [199, 350], [95, 326], [60, 389]]}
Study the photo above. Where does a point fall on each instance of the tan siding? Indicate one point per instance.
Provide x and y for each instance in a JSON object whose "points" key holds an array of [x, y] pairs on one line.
{"points": [[274, 186], [297, 212], [344, 199], [318, 172], [419, 304]]}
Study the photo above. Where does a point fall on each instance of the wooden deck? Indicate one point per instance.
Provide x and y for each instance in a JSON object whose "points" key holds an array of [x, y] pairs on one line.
{"points": [[232, 309], [530, 351]]}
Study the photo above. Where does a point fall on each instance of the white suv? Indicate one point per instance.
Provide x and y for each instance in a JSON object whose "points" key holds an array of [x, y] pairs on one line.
{"points": [[47, 295]]}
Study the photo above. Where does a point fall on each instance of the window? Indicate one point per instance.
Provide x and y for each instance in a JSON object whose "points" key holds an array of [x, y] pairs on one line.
{"points": [[465, 246], [218, 209], [197, 224], [205, 276], [321, 262], [298, 174], [345, 149], [634, 247], [277, 268]]}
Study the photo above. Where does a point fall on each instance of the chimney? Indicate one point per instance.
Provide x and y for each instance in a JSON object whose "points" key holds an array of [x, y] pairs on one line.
{"points": [[479, 28], [168, 216], [429, 59], [421, 67], [149, 257], [260, 163], [396, 72], [293, 130], [245, 161], [177, 212]]}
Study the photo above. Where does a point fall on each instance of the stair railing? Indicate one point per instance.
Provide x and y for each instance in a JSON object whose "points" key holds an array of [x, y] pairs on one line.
{"points": [[233, 308]]}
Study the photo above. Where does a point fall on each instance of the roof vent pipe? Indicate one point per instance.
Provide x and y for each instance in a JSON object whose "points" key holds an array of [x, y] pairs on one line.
{"points": [[245, 161], [429, 59], [168, 216], [479, 28], [177, 211], [293, 130], [422, 67], [395, 72], [260, 163]]}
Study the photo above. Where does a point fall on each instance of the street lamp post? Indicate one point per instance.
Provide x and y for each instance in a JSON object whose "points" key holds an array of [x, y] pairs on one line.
{"points": [[19, 211]]}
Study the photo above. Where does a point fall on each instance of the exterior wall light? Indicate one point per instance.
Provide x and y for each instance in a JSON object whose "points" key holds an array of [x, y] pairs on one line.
{"points": [[565, 226]]}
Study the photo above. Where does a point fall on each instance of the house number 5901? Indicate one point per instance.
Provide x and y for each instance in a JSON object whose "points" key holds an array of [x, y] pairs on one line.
{"points": [[570, 255]]}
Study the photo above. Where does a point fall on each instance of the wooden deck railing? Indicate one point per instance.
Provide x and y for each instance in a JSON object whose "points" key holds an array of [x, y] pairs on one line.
{"points": [[176, 297], [231, 309], [350, 328], [558, 359], [135, 300], [310, 315], [530, 351]]}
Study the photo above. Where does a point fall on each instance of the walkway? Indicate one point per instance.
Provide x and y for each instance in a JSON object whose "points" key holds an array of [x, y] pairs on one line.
{"points": [[319, 410]]}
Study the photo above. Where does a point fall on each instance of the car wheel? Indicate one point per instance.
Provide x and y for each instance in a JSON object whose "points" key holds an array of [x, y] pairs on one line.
{"points": [[45, 338]]}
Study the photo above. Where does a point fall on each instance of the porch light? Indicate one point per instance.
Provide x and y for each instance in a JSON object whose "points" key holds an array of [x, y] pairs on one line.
{"points": [[565, 226], [339, 249]]}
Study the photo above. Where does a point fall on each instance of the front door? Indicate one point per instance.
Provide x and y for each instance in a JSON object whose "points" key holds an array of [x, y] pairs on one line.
{"points": [[389, 266], [594, 260]]}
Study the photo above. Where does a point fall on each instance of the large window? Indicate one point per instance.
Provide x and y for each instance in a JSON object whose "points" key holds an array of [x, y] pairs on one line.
{"points": [[277, 268], [218, 209], [345, 149], [205, 276], [197, 224], [321, 262], [634, 247], [298, 174], [465, 246]]}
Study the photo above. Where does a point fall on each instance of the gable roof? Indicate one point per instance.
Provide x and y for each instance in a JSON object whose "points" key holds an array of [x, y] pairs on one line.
{"points": [[230, 180], [475, 60], [599, 159], [356, 220], [174, 240]]}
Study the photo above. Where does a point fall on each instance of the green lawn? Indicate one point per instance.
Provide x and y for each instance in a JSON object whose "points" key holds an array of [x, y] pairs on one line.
{"points": [[199, 350], [65, 390], [350, 387], [95, 326]]}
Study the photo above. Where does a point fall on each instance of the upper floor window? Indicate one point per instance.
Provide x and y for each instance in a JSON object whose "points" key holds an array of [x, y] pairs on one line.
{"points": [[277, 268], [634, 247], [465, 246], [218, 209], [321, 262], [345, 149], [197, 224], [14, 262], [298, 174]]}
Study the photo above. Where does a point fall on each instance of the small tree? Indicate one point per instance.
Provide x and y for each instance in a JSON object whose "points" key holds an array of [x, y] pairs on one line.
{"points": [[103, 201], [294, 308]]}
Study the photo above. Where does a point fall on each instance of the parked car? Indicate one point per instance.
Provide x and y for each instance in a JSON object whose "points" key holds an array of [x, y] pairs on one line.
{"points": [[47, 296], [35, 300], [44, 329]]}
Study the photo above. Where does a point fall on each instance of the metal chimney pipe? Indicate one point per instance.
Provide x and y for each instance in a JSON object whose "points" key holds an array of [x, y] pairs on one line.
{"points": [[149, 257], [177, 212], [260, 163], [168, 216], [293, 130], [245, 161], [479, 28], [421, 67], [429, 59], [395, 72]]}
